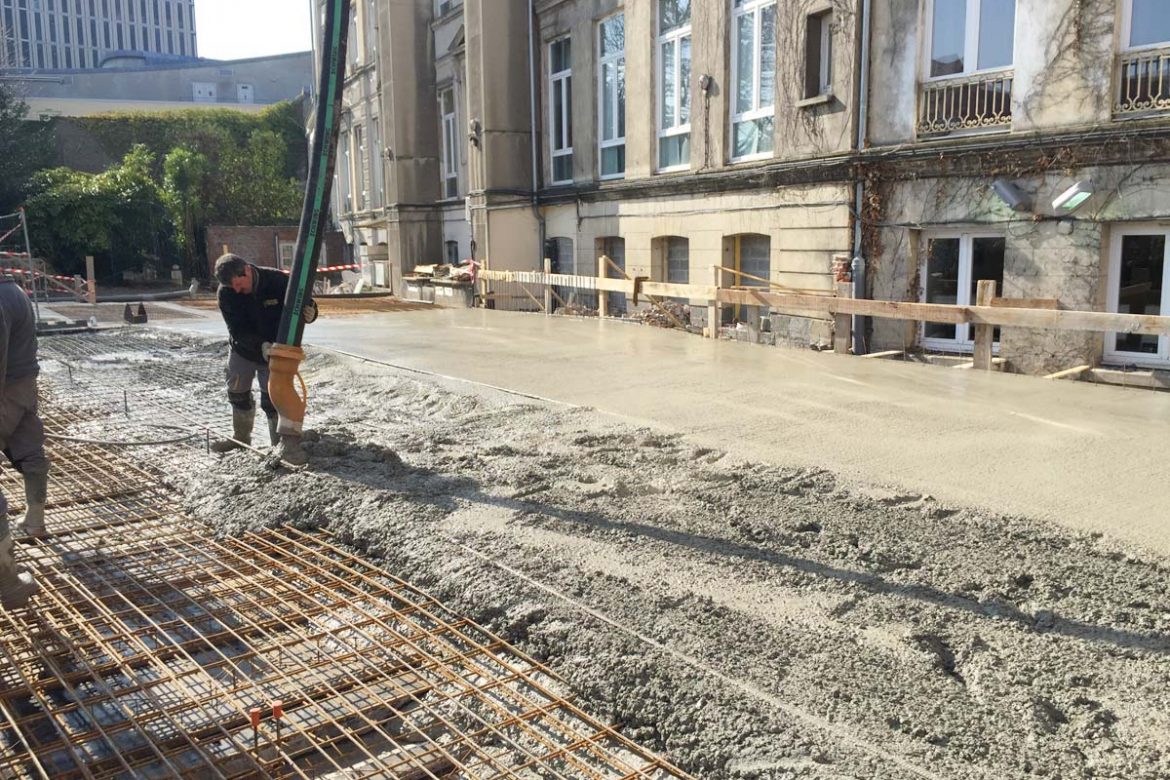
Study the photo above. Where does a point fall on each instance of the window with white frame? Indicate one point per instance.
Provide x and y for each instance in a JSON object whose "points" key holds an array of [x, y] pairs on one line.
{"points": [[378, 162], [678, 260], [361, 172], [1145, 23], [450, 147], [753, 63], [954, 265], [1145, 67], [370, 23], [560, 106], [969, 36], [1138, 280], [346, 198], [611, 92], [818, 76], [674, 79], [444, 7], [286, 252]]}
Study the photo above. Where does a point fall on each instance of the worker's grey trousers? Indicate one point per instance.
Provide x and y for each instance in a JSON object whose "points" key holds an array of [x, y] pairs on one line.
{"points": [[22, 435], [240, 374]]}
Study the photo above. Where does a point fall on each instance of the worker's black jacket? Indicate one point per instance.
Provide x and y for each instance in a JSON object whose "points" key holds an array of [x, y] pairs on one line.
{"points": [[254, 318]]}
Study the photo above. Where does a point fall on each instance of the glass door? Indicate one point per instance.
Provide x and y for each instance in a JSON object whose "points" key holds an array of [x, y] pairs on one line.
{"points": [[1137, 285], [953, 268]]}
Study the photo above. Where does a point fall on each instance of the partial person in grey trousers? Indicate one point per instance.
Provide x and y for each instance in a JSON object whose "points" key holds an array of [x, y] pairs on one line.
{"points": [[22, 436], [251, 300]]}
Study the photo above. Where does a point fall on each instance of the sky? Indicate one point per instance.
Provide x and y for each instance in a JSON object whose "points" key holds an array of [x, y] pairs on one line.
{"points": [[237, 29]]}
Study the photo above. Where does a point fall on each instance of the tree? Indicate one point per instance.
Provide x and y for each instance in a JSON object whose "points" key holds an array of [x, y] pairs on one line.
{"points": [[116, 215], [184, 191], [25, 147], [254, 189]]}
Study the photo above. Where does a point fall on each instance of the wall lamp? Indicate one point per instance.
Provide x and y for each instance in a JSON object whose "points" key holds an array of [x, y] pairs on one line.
{"points": [[1011, 196], [1072, 198]]}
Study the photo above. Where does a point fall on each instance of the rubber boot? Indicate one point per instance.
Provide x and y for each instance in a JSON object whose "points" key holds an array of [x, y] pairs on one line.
{"points": [[16, 586], [36, 491], [241, 431], [291, 451], [273, 435]]}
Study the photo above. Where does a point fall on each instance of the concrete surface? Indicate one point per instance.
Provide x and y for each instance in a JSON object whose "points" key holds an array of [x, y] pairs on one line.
{"points": [[1088, 457]]}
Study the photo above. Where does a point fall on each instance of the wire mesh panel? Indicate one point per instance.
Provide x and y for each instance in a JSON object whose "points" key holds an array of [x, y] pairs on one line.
{"points": [[157, 650]]}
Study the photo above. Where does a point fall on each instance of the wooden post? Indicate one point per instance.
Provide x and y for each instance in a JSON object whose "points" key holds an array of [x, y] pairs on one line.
{"points": [[713, 304], [548, 291], [842, 323], [602, 295], [90, 281], [984, 334]]}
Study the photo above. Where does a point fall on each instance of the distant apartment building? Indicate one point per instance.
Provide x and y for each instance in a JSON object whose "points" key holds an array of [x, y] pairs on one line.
{"points": [[936, 142], [71, 34]]}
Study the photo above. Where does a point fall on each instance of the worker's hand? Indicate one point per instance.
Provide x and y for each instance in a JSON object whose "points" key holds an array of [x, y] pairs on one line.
{"points": [[265, 349], [309, 312]]}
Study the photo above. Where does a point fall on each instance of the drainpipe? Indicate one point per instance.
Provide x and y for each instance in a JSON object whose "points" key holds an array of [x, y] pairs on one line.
{"points": [[858, 265], [533, 85]]}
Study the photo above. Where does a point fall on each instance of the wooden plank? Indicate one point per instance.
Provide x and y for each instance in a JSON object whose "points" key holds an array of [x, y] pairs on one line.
{"points": [[824, 305], [984, 334], [602, 298], [841, 324], [539, 305], [713, 314], [548, 291], [1025, 303], [1077, 371]]}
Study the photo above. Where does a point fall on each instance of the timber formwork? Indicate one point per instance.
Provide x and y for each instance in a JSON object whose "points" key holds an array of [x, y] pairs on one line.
{"points": [[157, 649]]}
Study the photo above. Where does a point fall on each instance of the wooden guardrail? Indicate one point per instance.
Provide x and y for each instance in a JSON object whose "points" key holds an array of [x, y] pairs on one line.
{"points": [[988, 313]]}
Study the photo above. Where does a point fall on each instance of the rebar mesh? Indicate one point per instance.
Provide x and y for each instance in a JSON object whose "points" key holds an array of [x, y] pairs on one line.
{"points": [[156, 650]]}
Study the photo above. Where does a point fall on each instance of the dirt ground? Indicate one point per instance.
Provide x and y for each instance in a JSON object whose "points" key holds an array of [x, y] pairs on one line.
{"points": [[747, 619]]}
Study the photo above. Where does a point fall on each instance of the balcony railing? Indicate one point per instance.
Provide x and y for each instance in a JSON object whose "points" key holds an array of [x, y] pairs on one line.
{"points": [[971, 103], [1145, 82]]}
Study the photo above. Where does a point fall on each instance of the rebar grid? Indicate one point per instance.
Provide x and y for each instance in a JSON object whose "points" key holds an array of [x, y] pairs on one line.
{"points": [[152, 642]]}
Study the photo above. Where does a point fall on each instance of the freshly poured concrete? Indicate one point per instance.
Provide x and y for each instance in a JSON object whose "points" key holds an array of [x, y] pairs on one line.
{"points": [[1089, 457]]}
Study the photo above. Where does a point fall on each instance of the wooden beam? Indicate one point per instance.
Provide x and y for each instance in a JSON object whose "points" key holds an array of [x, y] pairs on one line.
{"points": [[713, 315], [984, 334], [1025, 303], [1077, 371], [826, 305], [602, 298], [841, 324]]}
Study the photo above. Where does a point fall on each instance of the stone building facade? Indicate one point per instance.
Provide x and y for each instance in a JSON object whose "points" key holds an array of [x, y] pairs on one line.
{"points": [[939, 142]]}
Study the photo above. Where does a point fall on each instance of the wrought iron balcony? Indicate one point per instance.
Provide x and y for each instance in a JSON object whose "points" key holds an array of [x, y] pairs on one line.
{"points": [[1145, 82], [982, 102]]}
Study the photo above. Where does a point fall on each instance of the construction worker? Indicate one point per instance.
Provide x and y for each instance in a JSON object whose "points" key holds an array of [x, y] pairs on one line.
{"points": [[22, 436], [251, 300]]}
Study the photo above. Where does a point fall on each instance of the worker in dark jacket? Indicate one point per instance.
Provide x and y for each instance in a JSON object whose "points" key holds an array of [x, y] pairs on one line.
{"points": [[22, 436], [251, 300]]}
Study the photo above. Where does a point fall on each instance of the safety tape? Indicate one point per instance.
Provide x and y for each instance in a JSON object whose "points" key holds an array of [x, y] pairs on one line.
{"points": [[26, 272], [328, 268]]}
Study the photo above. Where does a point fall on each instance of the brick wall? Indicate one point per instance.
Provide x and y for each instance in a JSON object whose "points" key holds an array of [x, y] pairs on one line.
{"points": [[256, 244]]}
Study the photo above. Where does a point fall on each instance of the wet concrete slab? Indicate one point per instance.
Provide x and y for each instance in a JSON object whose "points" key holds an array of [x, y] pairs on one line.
{"points": [[1089, 457]]}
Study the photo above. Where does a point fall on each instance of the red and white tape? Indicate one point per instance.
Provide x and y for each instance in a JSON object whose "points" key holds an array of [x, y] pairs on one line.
{"points": [[329, 268], [25, 272]]}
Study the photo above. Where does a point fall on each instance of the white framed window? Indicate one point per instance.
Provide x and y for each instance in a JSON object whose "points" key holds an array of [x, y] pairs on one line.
{"points": [[285, 254], [1145, 24], [753, 65], [450, 161], [560, 108], [678, 260], [378, 162], [970, 36], [953, 265], [344, 176], [673, 55], [361, 172], [611, 96], [818, 78], [444, 7], [1138, 284], [245, 93]]}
